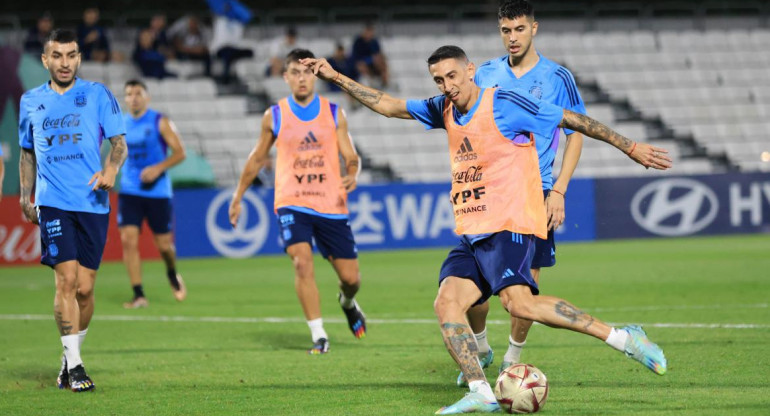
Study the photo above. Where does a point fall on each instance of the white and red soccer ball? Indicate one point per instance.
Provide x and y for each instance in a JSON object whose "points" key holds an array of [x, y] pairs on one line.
{"points": [[521, 388]]}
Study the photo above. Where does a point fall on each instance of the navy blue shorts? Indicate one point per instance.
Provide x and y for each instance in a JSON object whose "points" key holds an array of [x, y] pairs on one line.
{"points": [[72, 235], [333, 237], [132, 210], [545, 250], [494, 263]]}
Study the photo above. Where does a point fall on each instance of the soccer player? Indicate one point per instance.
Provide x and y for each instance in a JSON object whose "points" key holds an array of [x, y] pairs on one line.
{"points": [[499, 212], [310, 133], [524, 68], [61, 126], [145, 189]]}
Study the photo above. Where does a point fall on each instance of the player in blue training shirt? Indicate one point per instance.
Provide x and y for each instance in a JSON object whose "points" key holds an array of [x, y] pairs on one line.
{"points": [[61, 127], [145, 189], [472, 266], [524, 68]]}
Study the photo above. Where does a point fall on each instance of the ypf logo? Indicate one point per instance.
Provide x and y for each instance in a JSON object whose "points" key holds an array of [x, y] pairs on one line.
{"points": [[674, 207], [248, 236]]}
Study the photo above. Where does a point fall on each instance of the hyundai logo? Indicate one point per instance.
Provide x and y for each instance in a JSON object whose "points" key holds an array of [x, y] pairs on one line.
{"points": [[248, 236], [674, 207]]}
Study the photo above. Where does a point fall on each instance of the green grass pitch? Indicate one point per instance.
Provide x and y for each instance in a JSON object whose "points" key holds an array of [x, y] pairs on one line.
{"points": [[704, 300]]}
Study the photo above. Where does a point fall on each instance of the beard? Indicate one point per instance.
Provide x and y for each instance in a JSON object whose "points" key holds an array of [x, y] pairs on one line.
{"points": [[61, 83]]}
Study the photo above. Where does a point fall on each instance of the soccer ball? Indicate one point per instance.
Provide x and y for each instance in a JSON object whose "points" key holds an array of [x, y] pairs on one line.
{"points": [[521, 388]]}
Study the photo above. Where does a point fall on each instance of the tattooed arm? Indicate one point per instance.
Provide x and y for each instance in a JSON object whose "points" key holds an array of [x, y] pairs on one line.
{"points": [[642, 153], [27, 177], [105, 180], [374, 99]]}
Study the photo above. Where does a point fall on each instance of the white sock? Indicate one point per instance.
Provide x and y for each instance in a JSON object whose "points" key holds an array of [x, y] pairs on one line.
{"points": [[347, 303], [71, 346], [317, 329], [513, 355], [617, 339], [483, 387], [82, 337], [481, 339]]}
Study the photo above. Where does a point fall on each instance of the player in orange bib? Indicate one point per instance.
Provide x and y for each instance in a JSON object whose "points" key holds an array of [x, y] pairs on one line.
{"points": [[499, 208], [310, 133]]}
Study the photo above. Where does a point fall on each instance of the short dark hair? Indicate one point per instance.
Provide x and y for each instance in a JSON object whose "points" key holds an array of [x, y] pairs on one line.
{"points": [[291, 31], [447, 52], [295, 55], [62, 36], [135, 83], [512, 9]]}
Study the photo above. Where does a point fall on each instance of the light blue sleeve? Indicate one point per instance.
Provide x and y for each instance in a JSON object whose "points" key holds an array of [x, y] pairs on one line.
{"points": [[110, 115], [25, 127], [568, 96], [516, 112], [429, 112]]}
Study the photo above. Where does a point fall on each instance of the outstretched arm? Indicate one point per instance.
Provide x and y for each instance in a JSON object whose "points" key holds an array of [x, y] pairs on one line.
{"points": [[27, 177], [257, 159], [374, 99], [642, 153]]}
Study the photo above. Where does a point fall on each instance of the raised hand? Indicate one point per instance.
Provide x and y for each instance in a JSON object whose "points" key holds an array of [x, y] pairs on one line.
{"points": [[321, 68]]}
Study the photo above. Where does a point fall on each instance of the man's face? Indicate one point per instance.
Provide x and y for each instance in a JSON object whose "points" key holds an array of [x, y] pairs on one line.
{"points": [[454, 78], [62, 60], [300, 79], [44, 25], [136, 99], [90, 16], [517, 34]]}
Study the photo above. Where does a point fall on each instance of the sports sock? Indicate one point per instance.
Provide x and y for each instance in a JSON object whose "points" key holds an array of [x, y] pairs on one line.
{"points": [[481, 340], [617, 339], [483, 387], [171, 274], [513, 355], [138, 291], [71, 346], [345, 302], [317, 329], [82, 337]]}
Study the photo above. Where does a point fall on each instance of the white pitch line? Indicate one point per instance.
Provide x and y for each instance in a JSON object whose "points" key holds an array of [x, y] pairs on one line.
{"points": [[278, 320]]}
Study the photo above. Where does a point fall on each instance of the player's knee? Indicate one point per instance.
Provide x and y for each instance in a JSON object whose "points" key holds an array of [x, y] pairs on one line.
{"points": [[521, 309], [66, 284], [443, 303], [85, 291], [129, 241], [302, 265]]}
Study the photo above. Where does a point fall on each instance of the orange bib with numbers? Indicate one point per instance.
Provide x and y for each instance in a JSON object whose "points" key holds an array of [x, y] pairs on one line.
{"points": [[308, 165], [496, 183]]}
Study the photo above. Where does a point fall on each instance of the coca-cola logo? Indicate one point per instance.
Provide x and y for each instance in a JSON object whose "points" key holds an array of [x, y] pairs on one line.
{"points": [[70, 120], [472, 174], [19, 243], [316, 161]]}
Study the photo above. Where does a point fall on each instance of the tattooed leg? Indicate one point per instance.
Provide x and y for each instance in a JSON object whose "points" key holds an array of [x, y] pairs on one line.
{"points": [[455, 297], [551, 311], [461, 344], [66, 310]]}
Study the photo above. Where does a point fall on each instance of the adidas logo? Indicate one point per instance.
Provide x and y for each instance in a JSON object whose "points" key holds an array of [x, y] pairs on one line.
{"points": [[310, 142], [310, 138], [508, 273], [465, 153], [41, 107]]}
